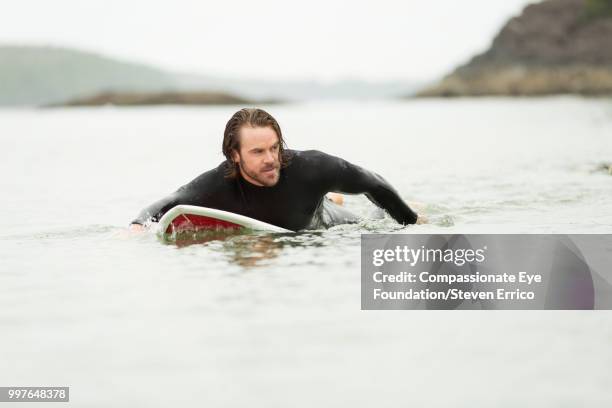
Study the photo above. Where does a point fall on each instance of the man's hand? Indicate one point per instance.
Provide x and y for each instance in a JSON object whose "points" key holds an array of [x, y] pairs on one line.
{"points": [[419, 207], [422, 219], [136, 228], [132, 230], [336, 198]]}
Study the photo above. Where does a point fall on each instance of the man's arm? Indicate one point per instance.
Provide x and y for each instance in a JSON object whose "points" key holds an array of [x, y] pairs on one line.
{"points": [[346, 177], [196, 192]]}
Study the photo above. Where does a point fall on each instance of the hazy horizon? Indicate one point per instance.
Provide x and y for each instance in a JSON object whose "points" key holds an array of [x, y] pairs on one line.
{"points": [[320, 41]]}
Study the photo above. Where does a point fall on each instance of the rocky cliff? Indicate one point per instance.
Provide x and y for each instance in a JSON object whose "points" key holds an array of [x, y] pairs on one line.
{"points": [[553, 47]]}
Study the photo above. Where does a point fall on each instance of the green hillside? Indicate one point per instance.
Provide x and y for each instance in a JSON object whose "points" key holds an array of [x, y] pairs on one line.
{"points": [[43, 75], [598, 8]]}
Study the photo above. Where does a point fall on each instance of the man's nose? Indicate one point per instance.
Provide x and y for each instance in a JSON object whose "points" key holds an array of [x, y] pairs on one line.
{"points": [[269, 157]]}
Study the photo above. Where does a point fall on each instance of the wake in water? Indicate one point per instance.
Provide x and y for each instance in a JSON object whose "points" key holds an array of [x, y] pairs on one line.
{"points": [[77, 232]]}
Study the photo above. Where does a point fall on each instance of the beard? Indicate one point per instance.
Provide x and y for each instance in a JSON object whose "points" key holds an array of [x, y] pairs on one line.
{"points": [[266, 175]]}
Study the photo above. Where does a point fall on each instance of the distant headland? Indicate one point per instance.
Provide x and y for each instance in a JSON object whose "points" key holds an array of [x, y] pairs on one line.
{"points": [[159, 98], [33, 75], [553, 47]]}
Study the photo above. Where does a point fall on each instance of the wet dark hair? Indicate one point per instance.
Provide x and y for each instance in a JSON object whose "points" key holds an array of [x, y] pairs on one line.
{"points": [[253, 117]]}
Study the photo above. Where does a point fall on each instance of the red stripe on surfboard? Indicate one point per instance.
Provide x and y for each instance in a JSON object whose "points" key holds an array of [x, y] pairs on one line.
{"points": [[190, 222]]}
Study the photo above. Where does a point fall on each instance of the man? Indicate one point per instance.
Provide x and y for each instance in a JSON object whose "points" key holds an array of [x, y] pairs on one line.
{"points": [[261, 179]]}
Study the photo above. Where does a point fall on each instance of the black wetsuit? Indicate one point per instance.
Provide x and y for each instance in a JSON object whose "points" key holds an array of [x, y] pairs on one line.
{"points": [[294, 202]]}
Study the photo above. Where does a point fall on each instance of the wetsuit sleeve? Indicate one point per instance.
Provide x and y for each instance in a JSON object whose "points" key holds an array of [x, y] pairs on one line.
{"points": [[196, 192], [155, 211], [345, 177]]}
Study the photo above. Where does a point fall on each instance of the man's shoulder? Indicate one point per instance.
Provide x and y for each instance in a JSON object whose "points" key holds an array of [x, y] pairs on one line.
{"points": [[314, 166], [310, 156], [215, 177]]}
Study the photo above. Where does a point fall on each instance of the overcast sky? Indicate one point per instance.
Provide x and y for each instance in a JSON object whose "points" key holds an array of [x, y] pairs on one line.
{"points": [[314, 39]]}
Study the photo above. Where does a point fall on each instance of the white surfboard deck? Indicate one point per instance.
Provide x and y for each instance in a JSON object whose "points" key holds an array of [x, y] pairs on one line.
{"points": [[191, 218]]}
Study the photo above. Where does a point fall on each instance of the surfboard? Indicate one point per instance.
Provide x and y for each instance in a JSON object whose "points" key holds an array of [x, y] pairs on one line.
{"points": [[186, 219]]}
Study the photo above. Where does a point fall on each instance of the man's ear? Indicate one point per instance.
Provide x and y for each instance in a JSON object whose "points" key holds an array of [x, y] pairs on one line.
{"points": [[235, 157]]}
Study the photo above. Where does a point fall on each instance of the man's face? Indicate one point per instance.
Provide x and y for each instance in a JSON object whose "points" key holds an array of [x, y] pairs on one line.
{"points": [[259, 155]]}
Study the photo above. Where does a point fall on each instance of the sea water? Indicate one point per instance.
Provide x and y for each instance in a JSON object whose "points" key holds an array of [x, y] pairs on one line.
{"points": [[275, 320]]}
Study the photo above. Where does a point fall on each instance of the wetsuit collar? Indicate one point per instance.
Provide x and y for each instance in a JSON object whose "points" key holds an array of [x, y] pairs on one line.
{"points": [[248, 184]]}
